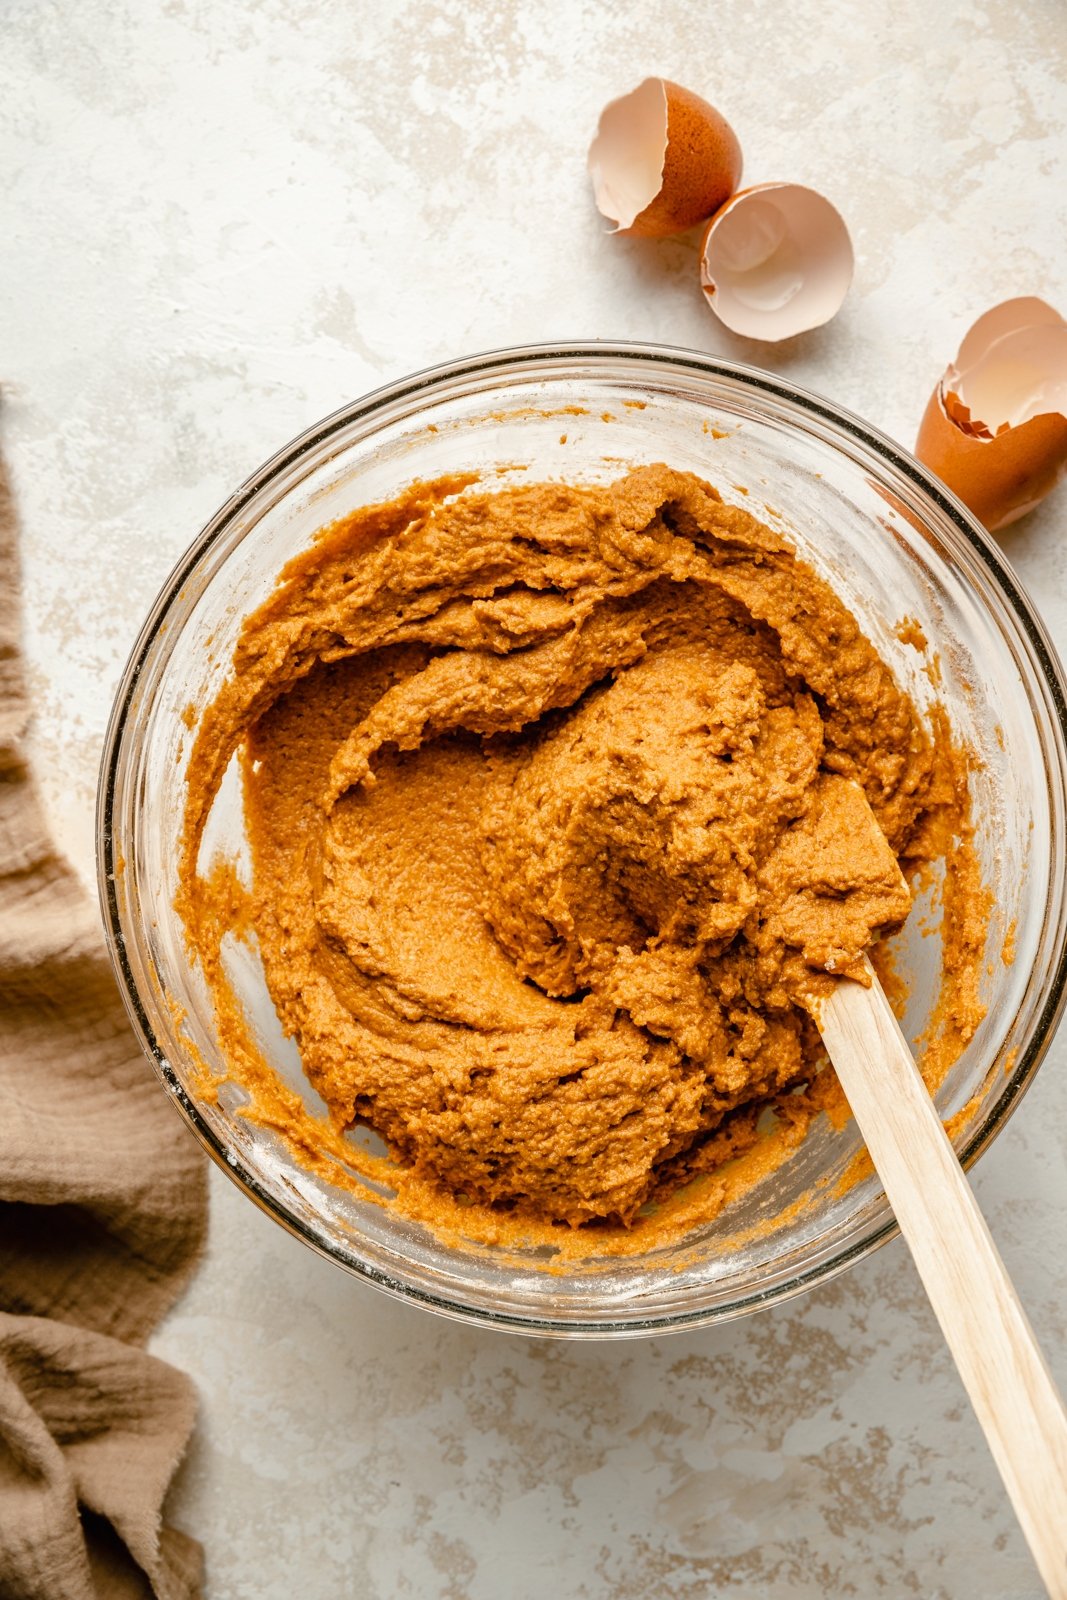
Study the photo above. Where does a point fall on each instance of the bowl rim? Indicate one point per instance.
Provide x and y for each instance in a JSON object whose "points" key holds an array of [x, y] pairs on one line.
{"points": [[503, 362]]}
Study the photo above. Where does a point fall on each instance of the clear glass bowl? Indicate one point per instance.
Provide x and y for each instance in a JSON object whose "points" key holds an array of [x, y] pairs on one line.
{"points": [[895, 545]]}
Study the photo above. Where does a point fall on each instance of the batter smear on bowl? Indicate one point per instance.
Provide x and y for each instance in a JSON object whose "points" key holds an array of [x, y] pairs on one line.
{"points": [[559, 804]]}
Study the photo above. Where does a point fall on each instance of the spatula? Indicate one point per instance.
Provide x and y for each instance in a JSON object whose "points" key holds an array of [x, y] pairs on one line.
{"points": [[1010, 1387]]}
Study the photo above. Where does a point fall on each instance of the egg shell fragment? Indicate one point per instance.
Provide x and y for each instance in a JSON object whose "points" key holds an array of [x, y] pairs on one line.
{"points": [[995, 427], [662, 160], [775, 261]]}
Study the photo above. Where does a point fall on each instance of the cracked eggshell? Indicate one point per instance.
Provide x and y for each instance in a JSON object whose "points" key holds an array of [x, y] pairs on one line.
{"points": [[775, 261], [995, 427], [662, 160]]}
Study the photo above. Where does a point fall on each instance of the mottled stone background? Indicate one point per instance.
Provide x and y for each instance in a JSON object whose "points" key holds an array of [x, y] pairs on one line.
{"points": [[220, 221]]}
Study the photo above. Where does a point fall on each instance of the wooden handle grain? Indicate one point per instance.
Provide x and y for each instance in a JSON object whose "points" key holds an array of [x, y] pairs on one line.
{"points": [[985, 1327]]}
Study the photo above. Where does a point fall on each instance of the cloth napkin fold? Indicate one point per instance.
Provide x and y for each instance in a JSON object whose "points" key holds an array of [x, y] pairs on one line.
{"points": [[103, 1207]]}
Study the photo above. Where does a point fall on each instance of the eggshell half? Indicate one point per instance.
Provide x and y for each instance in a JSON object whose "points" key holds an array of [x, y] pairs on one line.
{"points": [[662, 160], [775, 261], [995, 427]]}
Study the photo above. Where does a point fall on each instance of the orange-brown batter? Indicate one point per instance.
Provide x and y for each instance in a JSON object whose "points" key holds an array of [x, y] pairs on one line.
{"points": [[561, 799]]}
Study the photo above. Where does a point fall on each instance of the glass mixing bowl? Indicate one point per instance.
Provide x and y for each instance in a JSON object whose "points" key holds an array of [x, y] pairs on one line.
{"points": [[893, 542]]}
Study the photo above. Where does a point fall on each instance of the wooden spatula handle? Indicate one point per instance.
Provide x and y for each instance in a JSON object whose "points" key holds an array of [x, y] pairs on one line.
{"points": [[1010, 1387]]}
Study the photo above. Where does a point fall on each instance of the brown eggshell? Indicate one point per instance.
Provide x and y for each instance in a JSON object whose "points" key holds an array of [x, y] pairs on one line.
{"points": [[995, 428], [1000, 478], [662, 160], [776, 260]]}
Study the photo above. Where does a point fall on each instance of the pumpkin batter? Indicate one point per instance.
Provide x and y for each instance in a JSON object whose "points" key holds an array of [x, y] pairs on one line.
{"points": [[561, 800]]}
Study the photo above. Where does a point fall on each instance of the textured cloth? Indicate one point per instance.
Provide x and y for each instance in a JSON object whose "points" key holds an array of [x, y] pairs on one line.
{"points": [[102, 1215]]}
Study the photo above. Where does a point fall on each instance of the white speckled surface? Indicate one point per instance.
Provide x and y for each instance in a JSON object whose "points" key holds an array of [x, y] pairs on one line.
{"points": [[220, 221]]}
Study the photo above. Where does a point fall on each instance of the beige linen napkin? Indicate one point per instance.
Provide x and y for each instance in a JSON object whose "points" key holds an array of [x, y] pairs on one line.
{"points": [[102, 1215]]}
